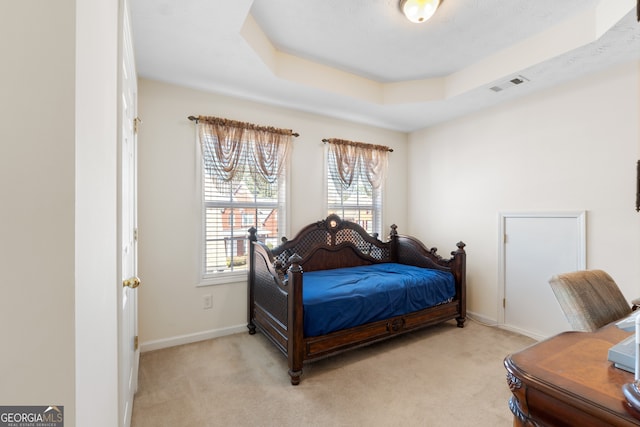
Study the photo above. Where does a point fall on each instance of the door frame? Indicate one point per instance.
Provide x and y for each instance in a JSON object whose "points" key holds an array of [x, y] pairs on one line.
{"points": [[581, 224], [128, 349]]}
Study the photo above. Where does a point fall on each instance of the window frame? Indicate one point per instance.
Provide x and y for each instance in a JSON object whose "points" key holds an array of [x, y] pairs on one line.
{"points": [[239, 276], [377, 198]]}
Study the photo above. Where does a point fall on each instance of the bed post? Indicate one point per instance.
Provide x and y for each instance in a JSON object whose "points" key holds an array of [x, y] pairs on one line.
{"points": [[460, 271], [250, 282], [393, 239], [295, 342]]}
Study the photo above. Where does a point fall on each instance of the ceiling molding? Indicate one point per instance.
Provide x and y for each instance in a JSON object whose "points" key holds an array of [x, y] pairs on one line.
{"points": [[363, 61], [575, 32]]}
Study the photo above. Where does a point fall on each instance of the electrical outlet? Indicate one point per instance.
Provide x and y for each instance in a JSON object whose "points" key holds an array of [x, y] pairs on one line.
{"points": [[207, 302]]}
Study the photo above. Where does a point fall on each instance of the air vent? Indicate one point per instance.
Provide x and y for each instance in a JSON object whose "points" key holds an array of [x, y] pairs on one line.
{"points": [[515, 81]]}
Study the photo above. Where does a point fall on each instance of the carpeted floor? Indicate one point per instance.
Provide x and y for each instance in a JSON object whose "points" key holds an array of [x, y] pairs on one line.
{"points": [[440, 376]]}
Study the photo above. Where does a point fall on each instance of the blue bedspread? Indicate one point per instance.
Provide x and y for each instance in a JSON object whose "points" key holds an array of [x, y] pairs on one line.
{"points": [[345, 297]]}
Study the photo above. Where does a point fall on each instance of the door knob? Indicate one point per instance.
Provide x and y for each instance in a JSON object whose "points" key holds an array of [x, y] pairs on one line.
{"points": [[132, 282]]}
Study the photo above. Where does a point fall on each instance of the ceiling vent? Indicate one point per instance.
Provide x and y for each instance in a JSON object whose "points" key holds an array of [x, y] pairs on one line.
{"points": [[515, 81]]}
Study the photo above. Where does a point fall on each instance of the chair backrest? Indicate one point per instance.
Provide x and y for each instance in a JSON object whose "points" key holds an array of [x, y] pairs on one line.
{"points": [[590, 299]]}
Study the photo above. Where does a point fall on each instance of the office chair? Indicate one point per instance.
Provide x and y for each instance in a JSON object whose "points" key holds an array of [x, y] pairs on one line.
{"points": [[590, 299]]}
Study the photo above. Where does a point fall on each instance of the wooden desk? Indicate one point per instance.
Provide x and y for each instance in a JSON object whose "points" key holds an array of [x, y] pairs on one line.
{"points": [[567, 380]]}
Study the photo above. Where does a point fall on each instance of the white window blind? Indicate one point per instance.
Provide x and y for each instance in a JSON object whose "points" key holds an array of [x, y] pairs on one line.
{"points": [[230, 209], [244, 185], [358, 202]]}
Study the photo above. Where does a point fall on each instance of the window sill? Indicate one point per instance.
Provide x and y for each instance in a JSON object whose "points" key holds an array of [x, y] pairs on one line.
{"points": [[223, 279]]}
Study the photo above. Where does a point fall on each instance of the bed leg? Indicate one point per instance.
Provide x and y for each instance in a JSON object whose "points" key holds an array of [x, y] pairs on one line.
{"points": [[295, 377], [460, 321], [252, 328]]}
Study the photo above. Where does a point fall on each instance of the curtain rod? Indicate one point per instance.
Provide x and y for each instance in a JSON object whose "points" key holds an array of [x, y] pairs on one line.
{"points": [[389, 149], [195, 119]]}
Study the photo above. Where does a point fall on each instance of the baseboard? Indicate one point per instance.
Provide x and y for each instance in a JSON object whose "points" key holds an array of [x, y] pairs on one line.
{"points": [[482, 319], [526, 333], [189, 338], [492, 322], [216, 333]]}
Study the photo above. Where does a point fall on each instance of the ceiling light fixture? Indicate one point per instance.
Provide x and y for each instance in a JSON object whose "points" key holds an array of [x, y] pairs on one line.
{"points": [[419, 10]]}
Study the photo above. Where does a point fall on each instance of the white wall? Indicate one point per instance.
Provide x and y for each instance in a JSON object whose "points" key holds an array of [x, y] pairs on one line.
{"points": [[573, 147], [96, 234], [58, 208], [170, 304], [37, 184]]}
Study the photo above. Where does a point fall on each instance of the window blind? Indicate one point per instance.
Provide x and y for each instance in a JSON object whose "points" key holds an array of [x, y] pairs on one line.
{"points": [[359, 203]]}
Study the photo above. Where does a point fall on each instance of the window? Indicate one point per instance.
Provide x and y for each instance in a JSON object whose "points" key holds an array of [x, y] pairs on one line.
{"points": [[230, 208], [355, 174], [244, 185]]}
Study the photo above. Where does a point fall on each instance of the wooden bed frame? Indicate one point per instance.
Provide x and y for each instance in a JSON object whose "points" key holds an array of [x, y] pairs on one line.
{"points": [[276, 280]]}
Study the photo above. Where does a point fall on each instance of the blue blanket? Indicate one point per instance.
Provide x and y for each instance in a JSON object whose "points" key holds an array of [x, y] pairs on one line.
{"points": [[346, 297]]}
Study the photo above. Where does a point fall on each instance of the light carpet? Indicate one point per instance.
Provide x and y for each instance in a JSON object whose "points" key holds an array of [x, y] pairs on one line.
{"points": [[439, 376]]}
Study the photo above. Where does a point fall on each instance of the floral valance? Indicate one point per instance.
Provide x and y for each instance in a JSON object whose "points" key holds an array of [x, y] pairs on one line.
{"points": [[350, 159], [230, 147]]}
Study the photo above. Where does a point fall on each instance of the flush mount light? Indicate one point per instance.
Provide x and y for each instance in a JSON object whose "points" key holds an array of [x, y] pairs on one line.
{"points": [[419, 10]]}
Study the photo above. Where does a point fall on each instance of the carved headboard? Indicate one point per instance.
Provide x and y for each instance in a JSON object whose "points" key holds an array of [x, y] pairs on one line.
{"points": [[332, 243]]}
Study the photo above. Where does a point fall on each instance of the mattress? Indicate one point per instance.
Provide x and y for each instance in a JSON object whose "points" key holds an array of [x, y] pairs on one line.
{"points": [[346, 297]]}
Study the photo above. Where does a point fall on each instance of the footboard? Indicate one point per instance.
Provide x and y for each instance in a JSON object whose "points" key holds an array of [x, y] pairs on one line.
{"points": [[268, 296], [411, 251], [276, 283]]}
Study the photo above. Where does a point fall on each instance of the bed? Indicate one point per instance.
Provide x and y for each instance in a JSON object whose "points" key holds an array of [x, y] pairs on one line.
{"points": [[335, 287]]}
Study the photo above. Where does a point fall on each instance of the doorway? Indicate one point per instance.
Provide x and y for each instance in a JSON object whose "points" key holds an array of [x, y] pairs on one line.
{"points": [[536, 246]]}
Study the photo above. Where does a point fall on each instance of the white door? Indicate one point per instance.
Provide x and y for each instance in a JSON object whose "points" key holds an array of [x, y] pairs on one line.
{"points": [[536, 247], [129, 353]]}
